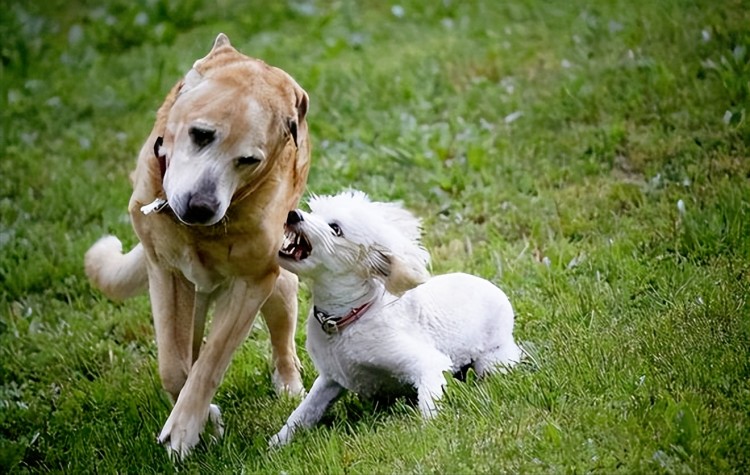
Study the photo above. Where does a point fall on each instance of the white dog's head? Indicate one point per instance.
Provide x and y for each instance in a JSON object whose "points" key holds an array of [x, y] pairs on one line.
{"points": [[348, 235]]}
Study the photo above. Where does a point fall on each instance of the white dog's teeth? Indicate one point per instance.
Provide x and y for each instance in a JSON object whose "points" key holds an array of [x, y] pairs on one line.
{"points": [[288, 241], [291, 242]]}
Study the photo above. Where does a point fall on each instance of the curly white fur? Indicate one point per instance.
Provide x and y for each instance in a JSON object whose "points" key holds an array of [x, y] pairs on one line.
{"points": [[358, 251]]}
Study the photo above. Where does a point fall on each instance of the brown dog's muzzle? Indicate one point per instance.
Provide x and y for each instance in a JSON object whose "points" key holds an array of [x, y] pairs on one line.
{"points": [[198, 207]]}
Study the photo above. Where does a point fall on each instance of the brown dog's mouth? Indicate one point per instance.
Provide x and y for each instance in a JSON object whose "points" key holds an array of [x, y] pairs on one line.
{"points": [[295, 245]]}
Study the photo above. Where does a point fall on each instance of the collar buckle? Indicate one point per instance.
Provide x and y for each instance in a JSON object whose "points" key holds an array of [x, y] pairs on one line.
{"points": [[156, 206], [332, 325]]}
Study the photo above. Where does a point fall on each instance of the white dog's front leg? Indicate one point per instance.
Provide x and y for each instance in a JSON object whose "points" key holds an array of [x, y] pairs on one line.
{"points": [[427, 376], [322, 394], [429, 391]]}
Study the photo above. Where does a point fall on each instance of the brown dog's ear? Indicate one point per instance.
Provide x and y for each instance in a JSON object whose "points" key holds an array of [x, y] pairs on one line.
{"points": [[399, 275], [195, 75], [301, 104], [221, 42], [291, 124]]}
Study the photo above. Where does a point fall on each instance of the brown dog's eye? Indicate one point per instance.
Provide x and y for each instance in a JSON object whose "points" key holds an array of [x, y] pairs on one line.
{"points": [[247, 160], [336, 229], [201, 137]]}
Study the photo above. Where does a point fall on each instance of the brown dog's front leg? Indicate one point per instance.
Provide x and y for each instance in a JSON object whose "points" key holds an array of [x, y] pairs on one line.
{"points": [[200, 310], [280, 314], [235, 312], [172, 302]]}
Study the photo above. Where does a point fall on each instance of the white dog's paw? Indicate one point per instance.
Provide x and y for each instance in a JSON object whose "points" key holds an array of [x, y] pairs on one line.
{"points": [[428, 408], [428, 397], [291, 386], [281, 438], [181, 433]]}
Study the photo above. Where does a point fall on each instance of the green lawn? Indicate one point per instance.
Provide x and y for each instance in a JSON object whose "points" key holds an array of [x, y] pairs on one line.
{"points": [[590, 158]]}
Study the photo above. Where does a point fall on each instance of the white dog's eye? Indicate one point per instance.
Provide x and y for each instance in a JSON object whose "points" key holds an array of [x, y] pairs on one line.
{"points": [[336, 229], [247, 160]]}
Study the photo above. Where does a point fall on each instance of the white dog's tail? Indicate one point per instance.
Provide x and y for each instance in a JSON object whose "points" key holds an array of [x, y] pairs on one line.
{"points": [[119, 276]]}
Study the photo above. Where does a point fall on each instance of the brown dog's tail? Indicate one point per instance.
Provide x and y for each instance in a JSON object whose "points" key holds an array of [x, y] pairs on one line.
{"points": [[119, 276]]}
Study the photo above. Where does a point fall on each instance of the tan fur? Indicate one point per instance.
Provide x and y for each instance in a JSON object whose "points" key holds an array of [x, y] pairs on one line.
{"points": [[233, 262]]}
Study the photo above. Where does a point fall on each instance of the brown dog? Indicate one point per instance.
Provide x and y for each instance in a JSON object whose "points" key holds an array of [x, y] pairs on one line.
{"points": [[227, 159]]}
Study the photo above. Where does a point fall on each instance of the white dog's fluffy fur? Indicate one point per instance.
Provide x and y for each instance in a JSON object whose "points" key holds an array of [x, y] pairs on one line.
{"points": [[354, 251]]}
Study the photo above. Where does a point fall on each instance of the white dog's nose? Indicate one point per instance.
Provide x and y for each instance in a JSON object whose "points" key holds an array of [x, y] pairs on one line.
{"points": [[294, 217]]}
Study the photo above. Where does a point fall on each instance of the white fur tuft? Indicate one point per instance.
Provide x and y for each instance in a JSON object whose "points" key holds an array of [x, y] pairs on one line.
{"points": [[119, 276]]}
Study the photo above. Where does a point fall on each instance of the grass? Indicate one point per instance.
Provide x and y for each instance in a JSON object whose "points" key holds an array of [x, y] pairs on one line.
{"points": [[591, 158]]}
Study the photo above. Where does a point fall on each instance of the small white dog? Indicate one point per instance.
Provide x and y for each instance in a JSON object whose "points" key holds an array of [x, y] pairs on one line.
{"points": [[374, 329]]}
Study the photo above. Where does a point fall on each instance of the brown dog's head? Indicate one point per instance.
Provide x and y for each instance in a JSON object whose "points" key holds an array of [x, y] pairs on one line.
{"points": [[232, 120]]}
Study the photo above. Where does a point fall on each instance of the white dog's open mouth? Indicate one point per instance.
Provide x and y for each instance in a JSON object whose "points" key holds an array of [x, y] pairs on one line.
{"points": [[295, 245]]}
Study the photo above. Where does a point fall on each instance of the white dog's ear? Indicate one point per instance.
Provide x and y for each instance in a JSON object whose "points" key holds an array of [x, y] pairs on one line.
{"points": [[398, 274]]}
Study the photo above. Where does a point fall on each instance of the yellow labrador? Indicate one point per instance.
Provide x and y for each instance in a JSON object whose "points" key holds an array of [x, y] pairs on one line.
{"points": [[227, 159]]}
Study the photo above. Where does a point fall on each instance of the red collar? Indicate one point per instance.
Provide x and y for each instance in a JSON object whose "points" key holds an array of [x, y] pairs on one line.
{"points": [[332, 324]]}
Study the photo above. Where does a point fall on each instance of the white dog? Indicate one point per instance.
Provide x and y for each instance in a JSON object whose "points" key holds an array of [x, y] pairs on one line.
{"points": [[371, 331]]}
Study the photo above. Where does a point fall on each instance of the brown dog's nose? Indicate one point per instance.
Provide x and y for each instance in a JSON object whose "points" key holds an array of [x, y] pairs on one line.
{"points": [[200, 209], [294, 217]]}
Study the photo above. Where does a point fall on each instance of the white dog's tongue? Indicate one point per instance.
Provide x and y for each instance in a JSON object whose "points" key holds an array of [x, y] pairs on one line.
{"points": [[298, 253]]}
